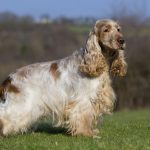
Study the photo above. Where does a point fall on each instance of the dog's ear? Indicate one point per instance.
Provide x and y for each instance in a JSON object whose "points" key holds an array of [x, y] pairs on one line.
{"points": [[119, 65], [92, 43], [94, 37], [93, 62]]}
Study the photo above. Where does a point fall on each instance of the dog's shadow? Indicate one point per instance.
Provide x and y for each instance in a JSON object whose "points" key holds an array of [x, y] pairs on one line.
{"points": [[48, 128]]}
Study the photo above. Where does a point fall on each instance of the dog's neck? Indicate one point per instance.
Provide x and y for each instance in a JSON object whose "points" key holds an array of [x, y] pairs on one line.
{"points": [[108, 53]]}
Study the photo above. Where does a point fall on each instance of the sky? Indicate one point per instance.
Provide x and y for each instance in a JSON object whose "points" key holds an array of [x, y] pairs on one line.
{"points": [[75, 8]]}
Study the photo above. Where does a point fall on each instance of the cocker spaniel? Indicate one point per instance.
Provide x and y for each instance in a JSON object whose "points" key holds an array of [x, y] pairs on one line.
{"points": [[74, 91]]}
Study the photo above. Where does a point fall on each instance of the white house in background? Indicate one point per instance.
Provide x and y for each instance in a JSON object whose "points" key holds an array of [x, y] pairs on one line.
{"points": [[45, 19]]}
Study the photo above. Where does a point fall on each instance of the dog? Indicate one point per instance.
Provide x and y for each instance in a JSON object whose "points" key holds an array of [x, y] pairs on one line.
{"points": [[74, 91]]}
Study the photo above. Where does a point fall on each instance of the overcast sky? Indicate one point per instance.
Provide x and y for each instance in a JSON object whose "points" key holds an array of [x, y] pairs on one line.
{"points": [[75, 8]]}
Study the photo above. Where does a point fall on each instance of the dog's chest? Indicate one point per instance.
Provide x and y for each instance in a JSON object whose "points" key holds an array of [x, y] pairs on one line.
{"points": [[83, 88]]}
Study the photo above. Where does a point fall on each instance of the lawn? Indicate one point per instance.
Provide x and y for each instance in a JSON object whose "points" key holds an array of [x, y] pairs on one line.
{"points": [[126, 130]]}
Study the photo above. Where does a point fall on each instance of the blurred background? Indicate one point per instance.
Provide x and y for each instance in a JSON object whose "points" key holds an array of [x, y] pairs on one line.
{"points": [[35, 31]]}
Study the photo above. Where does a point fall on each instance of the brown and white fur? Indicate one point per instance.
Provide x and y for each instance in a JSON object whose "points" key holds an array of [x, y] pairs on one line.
{"points": [[74, 91]]}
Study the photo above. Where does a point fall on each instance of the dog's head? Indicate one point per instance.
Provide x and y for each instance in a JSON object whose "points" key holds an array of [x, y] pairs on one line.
{"points": [[108, 34], [105, 38]]}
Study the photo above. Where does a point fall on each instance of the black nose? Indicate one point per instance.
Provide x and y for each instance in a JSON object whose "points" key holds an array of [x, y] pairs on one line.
{"points": [[121, 41]]}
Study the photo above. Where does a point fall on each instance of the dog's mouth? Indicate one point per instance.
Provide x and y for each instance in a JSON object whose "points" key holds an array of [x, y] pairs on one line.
{"points": [[122, 47], [110, 46], [116, 45]]}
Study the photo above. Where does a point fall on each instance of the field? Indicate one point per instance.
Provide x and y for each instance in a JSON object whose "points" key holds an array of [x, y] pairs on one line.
{"points": [[126, 130]]}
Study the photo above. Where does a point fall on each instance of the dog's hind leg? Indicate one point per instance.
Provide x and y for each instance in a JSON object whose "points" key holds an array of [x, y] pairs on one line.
{"points": [[19, 112]]}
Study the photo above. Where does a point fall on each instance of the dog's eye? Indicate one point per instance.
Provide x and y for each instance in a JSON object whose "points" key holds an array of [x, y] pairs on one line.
{"points": [[118, 29], [106, 30]]}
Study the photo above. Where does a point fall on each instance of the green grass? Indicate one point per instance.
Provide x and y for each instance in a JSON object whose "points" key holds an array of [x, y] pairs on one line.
{"points": [[126, 130]]}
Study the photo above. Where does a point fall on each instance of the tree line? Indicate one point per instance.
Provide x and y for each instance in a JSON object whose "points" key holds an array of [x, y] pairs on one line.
{"points": [[24, 40]]}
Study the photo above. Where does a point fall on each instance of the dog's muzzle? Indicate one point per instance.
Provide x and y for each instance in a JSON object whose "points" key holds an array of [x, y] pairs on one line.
{"points": [[121, 42]]}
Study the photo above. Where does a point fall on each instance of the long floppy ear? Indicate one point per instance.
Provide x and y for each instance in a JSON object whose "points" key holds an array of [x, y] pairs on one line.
{"points": [[119, 65], [93, 62]]}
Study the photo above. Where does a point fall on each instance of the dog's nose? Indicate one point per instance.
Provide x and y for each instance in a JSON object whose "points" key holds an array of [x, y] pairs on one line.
{"points": [[121, 41]]}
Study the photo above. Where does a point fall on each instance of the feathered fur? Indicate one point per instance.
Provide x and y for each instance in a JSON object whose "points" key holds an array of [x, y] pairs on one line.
{"points": [[74, 91]]}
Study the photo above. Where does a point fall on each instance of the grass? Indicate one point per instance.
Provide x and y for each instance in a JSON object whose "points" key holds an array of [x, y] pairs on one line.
{"points": [[126, 130]]}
